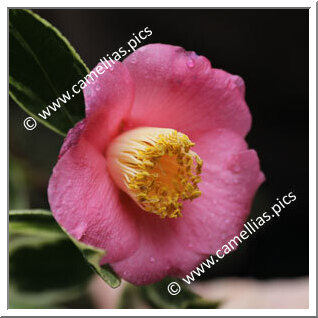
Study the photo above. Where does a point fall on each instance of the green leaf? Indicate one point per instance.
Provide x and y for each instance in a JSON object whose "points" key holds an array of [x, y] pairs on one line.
{"points": [[46, 263], [32, 228], [157, 296], [45, 266], [93, 257], [43, 66]]}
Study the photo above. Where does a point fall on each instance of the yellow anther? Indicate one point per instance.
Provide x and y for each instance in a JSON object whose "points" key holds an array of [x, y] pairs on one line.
{"points": [[156, 168]]}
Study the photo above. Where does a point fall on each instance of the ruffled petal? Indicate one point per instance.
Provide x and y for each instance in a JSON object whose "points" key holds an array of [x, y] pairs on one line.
{"points": [[72, 137], [108, 101], [113, 89], [87, 204], [178, 89], [231, 176], [159, 252]]}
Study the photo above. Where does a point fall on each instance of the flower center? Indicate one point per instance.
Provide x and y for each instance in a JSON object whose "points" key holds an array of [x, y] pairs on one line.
{"points": [[156, 168]]}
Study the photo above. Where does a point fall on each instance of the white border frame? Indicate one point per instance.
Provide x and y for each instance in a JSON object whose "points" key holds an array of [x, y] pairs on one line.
{"points": [[312, 160]]}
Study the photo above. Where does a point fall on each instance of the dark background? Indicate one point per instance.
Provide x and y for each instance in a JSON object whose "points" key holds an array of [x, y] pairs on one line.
{"points": [[269, 50]]}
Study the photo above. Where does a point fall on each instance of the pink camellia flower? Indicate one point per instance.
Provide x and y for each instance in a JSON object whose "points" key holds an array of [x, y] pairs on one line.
{"points": [[158, 173]]}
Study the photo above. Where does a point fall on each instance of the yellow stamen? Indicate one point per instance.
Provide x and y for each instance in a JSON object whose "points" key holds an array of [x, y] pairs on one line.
{"points": [[156, 168]]}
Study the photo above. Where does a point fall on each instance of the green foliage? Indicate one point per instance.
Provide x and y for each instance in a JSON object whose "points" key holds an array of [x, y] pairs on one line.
{"points": [[93, 256], [46, 269], [43, 66]]}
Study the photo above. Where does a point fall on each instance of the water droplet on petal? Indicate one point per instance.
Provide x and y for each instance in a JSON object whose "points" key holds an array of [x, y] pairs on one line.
{"points": [[97, 87], [228, 83], [236, 168], [190, 62], [133, 60], [152, 259]]}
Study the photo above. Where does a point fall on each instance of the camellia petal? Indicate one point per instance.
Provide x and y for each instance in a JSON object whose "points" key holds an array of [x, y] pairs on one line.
{"points": [[108, 100], [231, 175], [179, 89], [110, 88], [86, 202]]}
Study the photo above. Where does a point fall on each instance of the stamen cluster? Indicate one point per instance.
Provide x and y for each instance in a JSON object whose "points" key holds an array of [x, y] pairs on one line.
{"points": [[160, 171]]}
